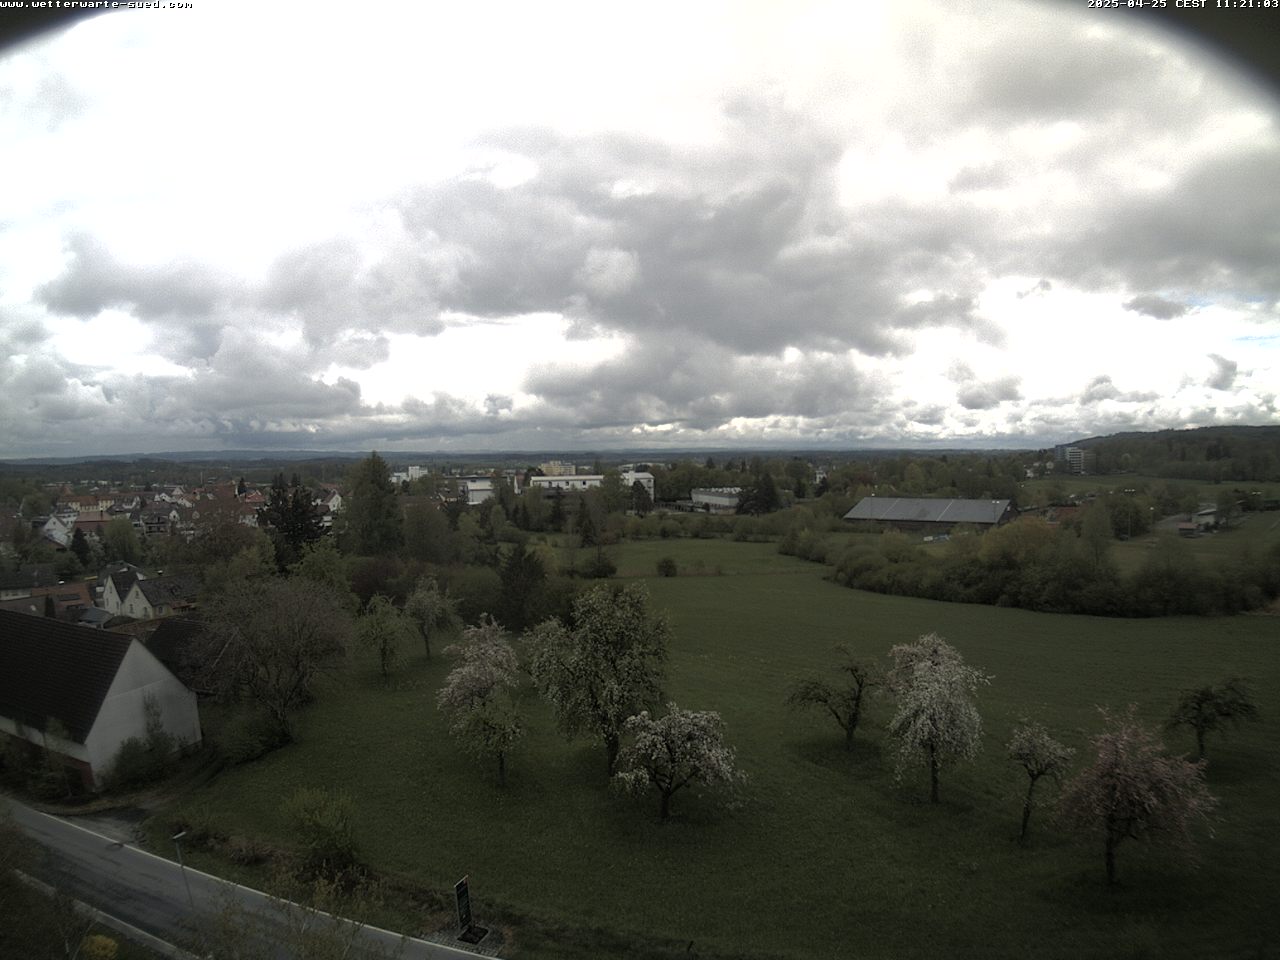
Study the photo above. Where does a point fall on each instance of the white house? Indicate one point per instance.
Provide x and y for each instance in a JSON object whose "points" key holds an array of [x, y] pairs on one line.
{"points": [[161, 597], [81, 693]]}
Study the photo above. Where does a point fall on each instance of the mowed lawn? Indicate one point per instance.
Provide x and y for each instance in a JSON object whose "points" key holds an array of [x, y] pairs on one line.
{"points": [[828, 855]]}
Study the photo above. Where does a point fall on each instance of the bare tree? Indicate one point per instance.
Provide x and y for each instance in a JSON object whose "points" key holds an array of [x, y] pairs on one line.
{"points": [[268, 641], [936, 717], [478, 695], [1134, 791], [433, 609], [1040, 756], [669, 753], [1207, 709], [843, 702]]}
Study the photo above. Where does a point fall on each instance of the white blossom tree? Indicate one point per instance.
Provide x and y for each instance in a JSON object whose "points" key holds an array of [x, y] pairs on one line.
{"points": [[604, 670], [1040, 756], [935, 718], [1134, 791], [681, 749], [478, 696]]}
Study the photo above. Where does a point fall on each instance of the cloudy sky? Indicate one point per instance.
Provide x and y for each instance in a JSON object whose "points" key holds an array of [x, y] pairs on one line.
{"points": [[526, 226]]}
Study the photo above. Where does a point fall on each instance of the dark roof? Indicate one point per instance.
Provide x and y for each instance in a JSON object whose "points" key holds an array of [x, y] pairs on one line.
{"points": [[171, 638], [930, 510], [53, 669], [169, 589], [124, 581]]}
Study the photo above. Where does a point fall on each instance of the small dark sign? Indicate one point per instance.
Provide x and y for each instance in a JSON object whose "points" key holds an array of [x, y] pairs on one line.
{"points": [[464, 904]]}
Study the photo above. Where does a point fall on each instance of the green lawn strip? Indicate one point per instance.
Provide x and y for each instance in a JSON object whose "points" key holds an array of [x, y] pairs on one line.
{"points": [[829, 855]]}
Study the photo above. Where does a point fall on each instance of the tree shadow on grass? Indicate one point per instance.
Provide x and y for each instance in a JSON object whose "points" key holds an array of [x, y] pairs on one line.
{"points": [[863, 758]]}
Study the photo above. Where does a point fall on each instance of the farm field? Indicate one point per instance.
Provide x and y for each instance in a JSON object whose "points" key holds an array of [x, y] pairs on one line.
{"points": [[828, 855]]}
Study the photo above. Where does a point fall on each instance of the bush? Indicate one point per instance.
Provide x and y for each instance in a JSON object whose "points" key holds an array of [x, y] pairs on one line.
{"points": [[248, 735], [599, 567], [667, 567], [97, 947], [135, 764], [325, 822]]}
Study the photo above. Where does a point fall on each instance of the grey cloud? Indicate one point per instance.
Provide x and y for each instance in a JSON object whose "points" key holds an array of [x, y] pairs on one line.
{"points": [[1213, 230], [1042, 286], [1102, 387], [94, 280], [700, 386], [1224, 374], [1154, 306], [494, 404], [1053, 68], [975, 394], [985, 177], [1099, 388], [746, 246]]}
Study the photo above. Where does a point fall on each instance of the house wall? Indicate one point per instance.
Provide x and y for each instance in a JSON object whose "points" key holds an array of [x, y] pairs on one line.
{"points": [[123, 712]]}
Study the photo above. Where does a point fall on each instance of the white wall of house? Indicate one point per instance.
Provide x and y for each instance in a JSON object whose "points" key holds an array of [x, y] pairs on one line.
{"points": [[629, 478], [67, 748], [123, 713], [112, 602]]}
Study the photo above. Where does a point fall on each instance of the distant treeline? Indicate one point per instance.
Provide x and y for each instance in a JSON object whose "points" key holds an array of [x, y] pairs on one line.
{"points": [[1067, 569], [1208, 454]]}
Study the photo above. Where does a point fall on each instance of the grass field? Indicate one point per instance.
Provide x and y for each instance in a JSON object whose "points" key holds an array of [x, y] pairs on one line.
{"points": [[829, 856]]}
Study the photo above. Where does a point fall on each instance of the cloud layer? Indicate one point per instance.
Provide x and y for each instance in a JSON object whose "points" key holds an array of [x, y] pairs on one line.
{"points": [[992, 226]]}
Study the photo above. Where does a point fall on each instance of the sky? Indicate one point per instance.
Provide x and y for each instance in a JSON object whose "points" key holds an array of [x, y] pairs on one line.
{"points": [[575, 225]]}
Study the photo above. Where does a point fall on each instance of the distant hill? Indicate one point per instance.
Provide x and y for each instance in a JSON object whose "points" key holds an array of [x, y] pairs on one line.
{"points": [[1218, 453]]}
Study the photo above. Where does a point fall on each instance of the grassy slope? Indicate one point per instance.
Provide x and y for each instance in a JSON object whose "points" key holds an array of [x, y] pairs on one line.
{"points": [[829, 857]]}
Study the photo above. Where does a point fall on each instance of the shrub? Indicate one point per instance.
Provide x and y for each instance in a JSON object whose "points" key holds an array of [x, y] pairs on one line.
{"points": [[247, 735], [97, 947], [135, 764], [667, 567], [325, 823], [598, 567]]}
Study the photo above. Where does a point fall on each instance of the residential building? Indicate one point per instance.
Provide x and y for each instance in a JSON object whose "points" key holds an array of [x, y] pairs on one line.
{"points": [[160, 597], [80, 693]]}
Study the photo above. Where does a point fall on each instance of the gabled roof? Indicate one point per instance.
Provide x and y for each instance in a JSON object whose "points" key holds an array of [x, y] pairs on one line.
{"points": [[124, 581], [931, 510], [50, 669], [169, 589], [171, 640]]}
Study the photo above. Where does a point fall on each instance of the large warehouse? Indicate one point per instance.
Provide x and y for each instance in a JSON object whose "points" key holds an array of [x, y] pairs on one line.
{"points": [[934, 514]]}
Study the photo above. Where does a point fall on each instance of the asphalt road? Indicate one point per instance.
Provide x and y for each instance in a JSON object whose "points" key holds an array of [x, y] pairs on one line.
{"points": [[175, 904]]}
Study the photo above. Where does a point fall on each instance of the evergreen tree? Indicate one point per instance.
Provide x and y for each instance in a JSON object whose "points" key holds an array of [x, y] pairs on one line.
{"points": [[80, 547], [372, 522]]}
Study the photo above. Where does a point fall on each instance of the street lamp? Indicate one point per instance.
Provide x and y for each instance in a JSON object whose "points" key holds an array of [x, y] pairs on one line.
{"points": [[182, 867]]}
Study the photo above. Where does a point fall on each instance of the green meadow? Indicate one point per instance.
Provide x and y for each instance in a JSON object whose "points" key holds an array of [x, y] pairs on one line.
{"points": [[827, 854]]}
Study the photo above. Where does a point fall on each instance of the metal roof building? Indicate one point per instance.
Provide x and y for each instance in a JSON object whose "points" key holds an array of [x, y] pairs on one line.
{"points": [[908, 512]]}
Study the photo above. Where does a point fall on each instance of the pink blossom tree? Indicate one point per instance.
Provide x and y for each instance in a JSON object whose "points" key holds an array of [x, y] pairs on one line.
{"points": [[1134, 791]]}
